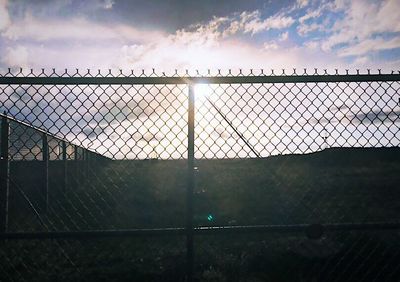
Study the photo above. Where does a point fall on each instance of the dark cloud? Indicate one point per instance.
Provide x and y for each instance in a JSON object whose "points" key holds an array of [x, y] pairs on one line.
{"points": [[376, 115], [168, 15], [177, 14], [362, 117], [114, 113]]}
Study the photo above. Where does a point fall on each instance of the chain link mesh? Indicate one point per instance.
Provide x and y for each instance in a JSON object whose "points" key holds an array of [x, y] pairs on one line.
{"points": [[250, 120], [109, 156]]}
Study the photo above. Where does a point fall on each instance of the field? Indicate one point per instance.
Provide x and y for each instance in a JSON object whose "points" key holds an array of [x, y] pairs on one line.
{"points": [[333, 186]]}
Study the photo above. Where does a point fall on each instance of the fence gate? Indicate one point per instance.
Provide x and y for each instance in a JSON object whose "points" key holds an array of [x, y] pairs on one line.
{"points": [[199, 177]]}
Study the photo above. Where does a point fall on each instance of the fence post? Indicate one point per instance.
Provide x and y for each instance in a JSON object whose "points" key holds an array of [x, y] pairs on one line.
{"points": [[45, 186], [190, 188], [86, 164], [64, 171], [76, 162], [4, 174]]}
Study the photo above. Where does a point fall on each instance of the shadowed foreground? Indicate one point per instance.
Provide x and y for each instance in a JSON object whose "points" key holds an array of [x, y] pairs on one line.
{"points": [[332, 186]]}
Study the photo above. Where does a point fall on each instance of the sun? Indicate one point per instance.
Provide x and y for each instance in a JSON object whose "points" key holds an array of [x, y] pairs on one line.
{"points": [[202, 91]]}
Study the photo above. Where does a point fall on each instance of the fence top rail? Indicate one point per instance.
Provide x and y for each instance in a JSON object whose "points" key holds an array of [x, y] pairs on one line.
{"points": [[240, 78]]}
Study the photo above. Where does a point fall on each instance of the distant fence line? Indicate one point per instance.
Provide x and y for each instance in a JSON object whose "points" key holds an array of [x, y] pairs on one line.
{"points": [[44, 147], [57, 147]]}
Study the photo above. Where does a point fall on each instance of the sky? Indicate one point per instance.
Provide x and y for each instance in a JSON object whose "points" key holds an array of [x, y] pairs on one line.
{"points": [[208, 34], [137, 121]]}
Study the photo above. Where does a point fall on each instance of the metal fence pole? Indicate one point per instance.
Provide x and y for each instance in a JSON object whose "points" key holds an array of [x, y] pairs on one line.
{"points": [[76, 165], [4, 174], [45, 186], [190, 188], [86, 164], [64, 169]]}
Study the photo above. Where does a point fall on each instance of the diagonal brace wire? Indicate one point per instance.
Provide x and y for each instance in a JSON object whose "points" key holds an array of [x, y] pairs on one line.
{"points": [[234, 129]]}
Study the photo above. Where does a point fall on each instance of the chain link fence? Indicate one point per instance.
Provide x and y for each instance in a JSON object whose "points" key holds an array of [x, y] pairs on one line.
{"points": [[208, 177]]}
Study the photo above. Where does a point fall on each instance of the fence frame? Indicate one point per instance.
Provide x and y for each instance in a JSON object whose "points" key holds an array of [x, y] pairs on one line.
{"points": [[190, 230], [4, 173]]}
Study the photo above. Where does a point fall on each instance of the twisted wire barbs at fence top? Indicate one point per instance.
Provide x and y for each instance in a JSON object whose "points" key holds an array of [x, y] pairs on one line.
{"points": [[10, 72]]}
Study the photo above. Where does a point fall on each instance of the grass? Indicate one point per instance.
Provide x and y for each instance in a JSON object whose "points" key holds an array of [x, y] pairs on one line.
{"points": [[335, 185]]}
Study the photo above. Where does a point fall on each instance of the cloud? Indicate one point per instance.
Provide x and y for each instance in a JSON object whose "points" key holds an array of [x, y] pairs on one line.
{"points": [[370, 45], [309, 21], [311, 14], [313, 45], [108, 4], [304, 29], [270, 46], [16, 57], [76, 29], [273, 22], [245, 22], [363, 20], [302, 3], [80, 29], [361, 60], [4, 16], [376, 116], [284, 36], [275, 44], [226, 54], [238, 40]]}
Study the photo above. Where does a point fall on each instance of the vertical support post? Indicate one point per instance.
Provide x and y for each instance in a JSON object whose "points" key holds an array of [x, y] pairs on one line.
{"points": [[86, 163], [4, 174], [78, 168], [64, 162], [190, 188], [76, 162], [45, 187]]}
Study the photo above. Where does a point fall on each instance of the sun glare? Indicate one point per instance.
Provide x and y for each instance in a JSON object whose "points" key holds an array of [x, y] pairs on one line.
{"points": [[202, 91]]}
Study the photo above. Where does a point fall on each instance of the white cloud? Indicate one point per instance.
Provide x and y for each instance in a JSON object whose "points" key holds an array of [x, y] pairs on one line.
{"points": [[302, 3], [16, 57], [4, 16], [362, 20], [284, 36], [134, 52], [370, 45], [313, 13], [58, 43], [307, 22], [313, 45], [274, 22], [220, 28], [108, 4], [169, 53], [79, 42], [304, 29], [251, 22], [203, 34], [81, 29], [270, 46], [186, 50], [361, 61]]}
